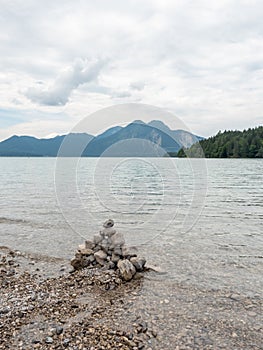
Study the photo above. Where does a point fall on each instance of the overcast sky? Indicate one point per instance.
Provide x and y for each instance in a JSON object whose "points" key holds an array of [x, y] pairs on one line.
{"points": [[61, 60]]}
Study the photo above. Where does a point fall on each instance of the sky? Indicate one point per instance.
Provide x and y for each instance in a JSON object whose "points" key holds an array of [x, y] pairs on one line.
{"points": [[62, 61]]}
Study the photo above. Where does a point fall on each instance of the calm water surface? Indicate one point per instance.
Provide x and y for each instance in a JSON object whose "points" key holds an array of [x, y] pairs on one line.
{"points": [[201, 221]]}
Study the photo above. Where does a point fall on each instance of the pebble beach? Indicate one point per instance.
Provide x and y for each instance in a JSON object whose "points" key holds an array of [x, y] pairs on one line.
{"points": [[46, 305]]}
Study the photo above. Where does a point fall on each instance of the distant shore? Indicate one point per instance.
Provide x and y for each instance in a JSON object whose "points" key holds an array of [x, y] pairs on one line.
{"points": [[51, 308]]}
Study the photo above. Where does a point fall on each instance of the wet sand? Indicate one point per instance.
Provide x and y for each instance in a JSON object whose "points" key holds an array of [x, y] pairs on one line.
{"points": [[45, 306]]}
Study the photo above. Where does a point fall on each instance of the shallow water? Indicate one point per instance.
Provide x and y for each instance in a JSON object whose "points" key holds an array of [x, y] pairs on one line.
{"points": [[200, 220]]}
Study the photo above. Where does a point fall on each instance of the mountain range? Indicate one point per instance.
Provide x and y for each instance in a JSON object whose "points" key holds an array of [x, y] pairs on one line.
{"points": [[136, 139]]}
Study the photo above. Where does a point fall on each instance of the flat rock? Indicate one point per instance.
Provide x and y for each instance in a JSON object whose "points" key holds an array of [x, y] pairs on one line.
{"points": [[155, 268], [127, 270], [85, 251]]}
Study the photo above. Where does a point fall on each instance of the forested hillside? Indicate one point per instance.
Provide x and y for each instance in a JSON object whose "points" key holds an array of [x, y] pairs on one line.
{"points": [[229, 144]]}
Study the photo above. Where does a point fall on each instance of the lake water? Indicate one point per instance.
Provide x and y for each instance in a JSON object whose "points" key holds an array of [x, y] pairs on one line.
{"points": [[200, 220]]}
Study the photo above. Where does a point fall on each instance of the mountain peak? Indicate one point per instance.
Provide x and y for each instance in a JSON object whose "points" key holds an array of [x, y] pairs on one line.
{"points": [[138, 121], [158, 124]]}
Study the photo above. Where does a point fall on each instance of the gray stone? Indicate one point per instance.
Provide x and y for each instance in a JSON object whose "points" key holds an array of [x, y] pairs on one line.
{"points": [[111, 265], [115, 258], [85, 262], [49, 340], [76, 263], [96, 248], [100, 257], [117, 240], [78, 255], [66, 342], [108, 223], [138, 263], [59, 330], [138, 276], [108, 232], [5, 310], [91, 258], [89, 244], [127, 270], [129, 251], [105, 245], [97, 239], [117, 251]]}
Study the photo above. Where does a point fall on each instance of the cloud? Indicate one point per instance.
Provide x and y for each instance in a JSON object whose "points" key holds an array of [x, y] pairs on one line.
{"points": [[137, 85], [81, 72], [199, 59]]}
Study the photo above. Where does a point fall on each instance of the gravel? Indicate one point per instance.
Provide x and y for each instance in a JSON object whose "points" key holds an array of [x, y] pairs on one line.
{"points": [[93, 309]]}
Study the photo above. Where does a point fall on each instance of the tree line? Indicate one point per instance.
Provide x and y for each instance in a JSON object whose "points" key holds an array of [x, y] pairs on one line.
{"points": [[228, 144]]}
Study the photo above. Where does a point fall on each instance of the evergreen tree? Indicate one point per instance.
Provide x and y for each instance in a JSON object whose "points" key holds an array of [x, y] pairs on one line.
{"points": [[228, 144]]}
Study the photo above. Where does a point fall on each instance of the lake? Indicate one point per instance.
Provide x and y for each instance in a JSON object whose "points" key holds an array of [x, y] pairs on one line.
{"points": [[199, 220]]}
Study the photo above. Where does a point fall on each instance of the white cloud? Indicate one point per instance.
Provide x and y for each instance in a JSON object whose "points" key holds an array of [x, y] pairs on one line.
{"points": [[70, 79]]}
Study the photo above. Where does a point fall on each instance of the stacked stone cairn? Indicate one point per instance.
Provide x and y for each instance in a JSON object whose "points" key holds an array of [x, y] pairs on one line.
{"points": [[108, 250]]}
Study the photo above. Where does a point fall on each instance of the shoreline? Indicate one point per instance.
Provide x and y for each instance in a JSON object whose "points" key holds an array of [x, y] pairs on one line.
{"points": [[93, 309]]}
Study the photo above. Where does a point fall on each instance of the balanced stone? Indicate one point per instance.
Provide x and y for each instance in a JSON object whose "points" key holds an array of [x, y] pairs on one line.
{"points": [[108, 250], [108, 223], [100, 257], [127, 270], [97, 239], [117, 240], [105, 245], [108, 232]]}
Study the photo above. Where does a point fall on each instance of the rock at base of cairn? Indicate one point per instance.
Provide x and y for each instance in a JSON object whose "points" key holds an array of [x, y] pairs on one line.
{"points": [[108, 249], [127, 269]]}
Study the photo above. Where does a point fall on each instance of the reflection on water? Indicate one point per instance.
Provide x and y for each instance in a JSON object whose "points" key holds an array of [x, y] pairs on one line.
{"points": [[155, 202]]}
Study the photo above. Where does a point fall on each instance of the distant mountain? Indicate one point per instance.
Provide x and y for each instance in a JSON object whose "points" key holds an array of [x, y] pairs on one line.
{"points": [[136, 139], [229, 144], [28, 146]]}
